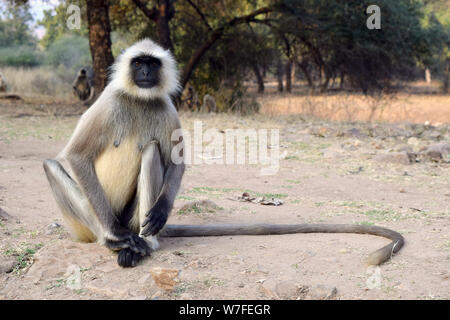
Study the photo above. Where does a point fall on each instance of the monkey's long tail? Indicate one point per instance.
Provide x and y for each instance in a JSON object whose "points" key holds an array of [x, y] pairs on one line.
{"points": [[375, 258]]}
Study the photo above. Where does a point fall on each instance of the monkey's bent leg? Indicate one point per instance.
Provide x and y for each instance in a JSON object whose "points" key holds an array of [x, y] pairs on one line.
{"points": [[74, 205], [149, 186]]}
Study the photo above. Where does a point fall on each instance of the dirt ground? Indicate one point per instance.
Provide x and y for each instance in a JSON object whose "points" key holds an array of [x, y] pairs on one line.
{"points": [[330, 172]]}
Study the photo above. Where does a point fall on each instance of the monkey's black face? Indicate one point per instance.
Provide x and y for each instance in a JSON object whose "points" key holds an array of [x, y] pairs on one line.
{"points": [[145, 71]]}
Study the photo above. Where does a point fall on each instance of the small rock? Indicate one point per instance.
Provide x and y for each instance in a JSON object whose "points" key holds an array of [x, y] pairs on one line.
{"points": [[394, 157], [7, 265], [4, 216], [52, 228], [165, 278], [355, 133], [439, 152], [286, 290], [413, 141], [432, 135], [322, 292], [268, 293]]}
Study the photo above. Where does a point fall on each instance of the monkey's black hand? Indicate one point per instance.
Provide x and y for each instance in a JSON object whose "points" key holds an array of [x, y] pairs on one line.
{"points": [[156, 218], [128, 258], [129, 240]]}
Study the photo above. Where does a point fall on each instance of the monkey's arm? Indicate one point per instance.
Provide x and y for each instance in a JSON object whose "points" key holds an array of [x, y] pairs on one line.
{"points": [[157, 216]]}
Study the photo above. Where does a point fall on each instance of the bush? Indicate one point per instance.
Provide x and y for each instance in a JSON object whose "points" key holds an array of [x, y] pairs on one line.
{"points": [[20, 57], [71, 52], [236, 99]]}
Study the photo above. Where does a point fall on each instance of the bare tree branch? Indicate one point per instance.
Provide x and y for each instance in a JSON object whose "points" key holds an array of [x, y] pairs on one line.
{"points": [[152, 14], [200, 13], [214, 36]]}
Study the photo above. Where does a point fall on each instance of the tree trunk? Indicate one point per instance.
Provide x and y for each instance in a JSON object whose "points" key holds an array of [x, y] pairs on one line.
{"points": [[165, 13], [446, 76], [213, 37], [307, 75], [280, 76], [288, 74], [427, 75], [99, 41], [259, 78], [341, 83]]}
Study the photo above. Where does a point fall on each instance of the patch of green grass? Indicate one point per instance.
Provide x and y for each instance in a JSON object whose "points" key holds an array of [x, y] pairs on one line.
{"points": [[56, 284], [23, 255], [366, 223], [319, 204], [300, 145], [210, 282], [210, 190], [351, 204], [293, 181], [292, 158], [323, 145], [221, 191], [381, 215], [185, 198], [192, 209], [18, 232], [198, 208], [268, 195]]}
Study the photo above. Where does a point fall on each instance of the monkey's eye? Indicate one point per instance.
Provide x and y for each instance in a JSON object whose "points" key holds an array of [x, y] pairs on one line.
{"points": [[137, 64]]}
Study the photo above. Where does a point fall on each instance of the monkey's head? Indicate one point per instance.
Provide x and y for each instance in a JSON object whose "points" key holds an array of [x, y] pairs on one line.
{"points": [[145, 70]]}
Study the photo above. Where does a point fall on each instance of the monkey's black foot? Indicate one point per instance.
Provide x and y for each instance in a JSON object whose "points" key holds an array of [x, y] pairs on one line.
{"points": [[128, 258], [129, 240]]}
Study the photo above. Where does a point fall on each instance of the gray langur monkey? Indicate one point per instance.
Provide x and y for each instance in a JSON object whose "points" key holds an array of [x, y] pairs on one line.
{"points": [[3, 84], [123, 180], [209, 104], [83, 85]]}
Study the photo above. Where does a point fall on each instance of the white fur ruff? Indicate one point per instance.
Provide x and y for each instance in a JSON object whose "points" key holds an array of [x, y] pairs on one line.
{"points": [[121, 74]]}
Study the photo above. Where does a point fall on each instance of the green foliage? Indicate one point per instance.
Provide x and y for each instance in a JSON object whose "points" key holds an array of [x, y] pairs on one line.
{"points": [[14, 26], [23, 56], [332, 38], [55, 22], [69, 51]]}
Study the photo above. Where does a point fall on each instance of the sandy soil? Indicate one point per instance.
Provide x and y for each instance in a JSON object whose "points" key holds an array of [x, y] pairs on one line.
{"points": [[329, 174]]}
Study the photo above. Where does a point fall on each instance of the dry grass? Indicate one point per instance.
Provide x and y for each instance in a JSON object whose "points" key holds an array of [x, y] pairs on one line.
{"points": [[41, 81], [419, 102], [354, 107]]}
